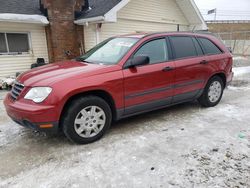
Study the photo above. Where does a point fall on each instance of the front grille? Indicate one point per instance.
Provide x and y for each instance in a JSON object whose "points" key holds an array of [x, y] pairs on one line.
{"points": [[16, 90]]}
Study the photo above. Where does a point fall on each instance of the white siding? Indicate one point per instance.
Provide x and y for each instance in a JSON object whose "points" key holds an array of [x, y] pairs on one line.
{"points": [[140, 16], [162, 11], [194, 17], [89, 36], [124, 26], [10, 64]]}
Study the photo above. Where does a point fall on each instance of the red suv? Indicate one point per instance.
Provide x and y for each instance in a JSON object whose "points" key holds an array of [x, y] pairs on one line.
{"points": [[120, 77]]}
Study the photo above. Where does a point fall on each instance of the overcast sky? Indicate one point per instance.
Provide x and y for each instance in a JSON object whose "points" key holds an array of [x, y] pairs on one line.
{"points": [[226, 9]]}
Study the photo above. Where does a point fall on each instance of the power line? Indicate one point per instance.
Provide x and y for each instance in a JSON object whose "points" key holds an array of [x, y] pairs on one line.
{"points": [[222, 13], [227, 14], [219, 10], [230, 12]]}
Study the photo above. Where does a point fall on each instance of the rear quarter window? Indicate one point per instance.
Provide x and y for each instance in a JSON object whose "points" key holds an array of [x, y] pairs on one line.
{"points": [[209, 47]]}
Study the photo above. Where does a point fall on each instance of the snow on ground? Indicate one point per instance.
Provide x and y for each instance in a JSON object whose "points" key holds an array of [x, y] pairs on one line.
{"points": [[182, 146]]}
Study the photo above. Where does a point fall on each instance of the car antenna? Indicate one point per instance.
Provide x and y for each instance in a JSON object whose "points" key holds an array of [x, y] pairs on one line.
{"points": [[193, 29]]}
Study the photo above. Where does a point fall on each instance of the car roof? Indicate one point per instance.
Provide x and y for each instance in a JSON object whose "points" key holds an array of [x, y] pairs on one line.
{"points": [[155, 34]]}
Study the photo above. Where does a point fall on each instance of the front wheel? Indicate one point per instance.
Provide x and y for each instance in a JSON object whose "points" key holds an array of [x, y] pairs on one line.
{"points": [[86, 119], [212, 93]]}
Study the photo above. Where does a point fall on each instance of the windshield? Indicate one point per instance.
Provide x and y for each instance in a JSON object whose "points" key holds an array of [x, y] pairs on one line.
{"points": [[109, 52]]}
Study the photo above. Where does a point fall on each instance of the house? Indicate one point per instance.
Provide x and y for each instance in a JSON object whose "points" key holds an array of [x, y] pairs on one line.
{"points": [[61, 29], [121, 17], [22, 35]]}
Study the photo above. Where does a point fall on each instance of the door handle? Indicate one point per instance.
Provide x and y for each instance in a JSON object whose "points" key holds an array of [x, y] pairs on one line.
{"points": [[168, 69], [204, 62]]}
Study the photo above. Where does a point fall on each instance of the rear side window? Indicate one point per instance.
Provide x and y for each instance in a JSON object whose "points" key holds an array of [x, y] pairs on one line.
{"points": [[183, 46], [209, 47], [156, 50]]}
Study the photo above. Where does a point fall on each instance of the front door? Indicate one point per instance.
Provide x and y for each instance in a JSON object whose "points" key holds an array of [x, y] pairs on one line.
{"points": [[149, 86]]}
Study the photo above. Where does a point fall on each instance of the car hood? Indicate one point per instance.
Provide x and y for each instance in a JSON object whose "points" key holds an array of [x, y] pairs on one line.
{"points": [[55, 72]]}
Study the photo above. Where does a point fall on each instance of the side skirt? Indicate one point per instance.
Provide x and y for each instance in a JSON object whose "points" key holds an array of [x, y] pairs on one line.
{"points": [[156, 105]]}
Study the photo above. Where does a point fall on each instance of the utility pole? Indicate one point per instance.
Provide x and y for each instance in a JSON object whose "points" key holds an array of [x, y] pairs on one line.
{"points": [[215, 14]]}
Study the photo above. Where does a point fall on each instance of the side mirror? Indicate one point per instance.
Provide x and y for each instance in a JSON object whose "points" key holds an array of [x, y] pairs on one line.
{"points": [[136, 61]]}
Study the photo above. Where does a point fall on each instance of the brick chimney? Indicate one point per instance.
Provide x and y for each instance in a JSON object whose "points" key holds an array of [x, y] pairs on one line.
{"points": [[64, 38]]}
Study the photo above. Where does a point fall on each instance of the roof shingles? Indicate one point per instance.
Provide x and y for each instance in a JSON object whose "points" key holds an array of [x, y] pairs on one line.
{"points": [[30, 7], [98, 8]]}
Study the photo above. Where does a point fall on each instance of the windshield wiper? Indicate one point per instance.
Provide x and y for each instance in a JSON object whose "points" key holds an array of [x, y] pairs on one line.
{"points": [[83, 60], [79, 59]]}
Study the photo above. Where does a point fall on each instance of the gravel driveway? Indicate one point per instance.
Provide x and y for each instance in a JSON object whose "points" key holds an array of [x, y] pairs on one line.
{"points": [[182, 146]]}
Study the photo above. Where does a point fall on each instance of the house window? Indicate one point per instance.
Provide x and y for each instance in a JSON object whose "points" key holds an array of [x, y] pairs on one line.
{"points": [[14, 43]]}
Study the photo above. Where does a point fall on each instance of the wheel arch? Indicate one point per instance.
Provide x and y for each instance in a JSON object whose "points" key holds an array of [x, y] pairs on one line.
{"points": [[222, 75], [99, 93]]}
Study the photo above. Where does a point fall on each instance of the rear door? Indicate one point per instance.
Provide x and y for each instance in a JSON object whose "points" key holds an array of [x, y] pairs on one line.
{"points": [[216, 58], [149, 86], [190, 68]]}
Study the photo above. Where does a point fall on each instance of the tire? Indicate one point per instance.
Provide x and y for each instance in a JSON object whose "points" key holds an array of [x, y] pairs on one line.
{"points": [[86, 119], [212, 93]]}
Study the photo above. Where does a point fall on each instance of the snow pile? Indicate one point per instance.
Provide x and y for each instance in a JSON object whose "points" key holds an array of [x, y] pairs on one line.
{"points": [[239, 71], [7, 82], [39, 19], [241, 79], [240, 61], [240, 58]]}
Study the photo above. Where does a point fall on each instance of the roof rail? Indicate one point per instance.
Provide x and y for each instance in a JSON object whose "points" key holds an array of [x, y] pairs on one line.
{"points": [[169, 32]]}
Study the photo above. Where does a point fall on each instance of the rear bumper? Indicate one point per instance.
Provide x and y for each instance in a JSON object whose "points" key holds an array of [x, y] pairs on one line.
{"points": [[229, 78], [39, 117]]}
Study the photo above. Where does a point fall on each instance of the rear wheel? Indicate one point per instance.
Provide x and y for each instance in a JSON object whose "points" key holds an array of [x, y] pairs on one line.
{"points": [[212, 93], [87, 119]]}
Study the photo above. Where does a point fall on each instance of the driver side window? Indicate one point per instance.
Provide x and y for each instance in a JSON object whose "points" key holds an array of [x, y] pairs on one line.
{"points": [[156, 50]]}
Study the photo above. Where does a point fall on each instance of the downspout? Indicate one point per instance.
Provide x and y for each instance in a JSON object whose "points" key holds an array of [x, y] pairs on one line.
{"points": [[97, 32]]}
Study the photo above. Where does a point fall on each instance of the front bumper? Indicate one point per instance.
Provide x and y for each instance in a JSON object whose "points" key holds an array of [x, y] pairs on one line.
{"points": [[51, 127], [39, 117]]}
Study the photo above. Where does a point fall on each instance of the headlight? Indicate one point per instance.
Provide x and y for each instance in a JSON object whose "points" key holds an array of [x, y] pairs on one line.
{"points": [[38, 94]]}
